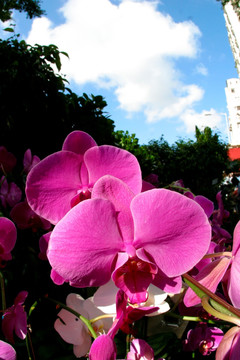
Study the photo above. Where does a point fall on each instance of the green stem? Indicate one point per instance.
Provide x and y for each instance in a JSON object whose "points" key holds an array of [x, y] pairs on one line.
{"points": [[102, 317], [205, 303], [33, 307], [79, 316], [128, 342], [216, 301], [193, 318], [2, 284], [29, 345], [224, 253]]}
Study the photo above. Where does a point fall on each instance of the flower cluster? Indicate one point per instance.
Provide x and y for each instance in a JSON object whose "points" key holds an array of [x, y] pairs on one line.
{"points": [[144, 253]]}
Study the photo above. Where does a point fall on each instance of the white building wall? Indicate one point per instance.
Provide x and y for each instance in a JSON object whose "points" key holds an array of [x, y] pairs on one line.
{"points": [[232, 92], [233, 28], [232, 89]]}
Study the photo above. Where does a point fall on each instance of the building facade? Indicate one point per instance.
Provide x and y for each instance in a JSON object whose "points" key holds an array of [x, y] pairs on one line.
{"points": [[232, 89], [232, 92]]}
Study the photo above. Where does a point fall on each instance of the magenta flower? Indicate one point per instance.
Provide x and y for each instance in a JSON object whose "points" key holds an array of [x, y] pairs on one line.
{"points": [[43, 245], [15, 319], [126, 315], [227, 267], [10, 194], [234, 273], [229, 348], [205, 339], [139, 349], [204, 202], [153, 237], [29, 161], [7, 160], [8, 237], [25, 218], [209, 276], [65, 178], [7, 352], [103, 348]]}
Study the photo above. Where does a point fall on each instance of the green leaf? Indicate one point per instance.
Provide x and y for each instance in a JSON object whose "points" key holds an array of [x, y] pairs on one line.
{"points": [[9, 29]]}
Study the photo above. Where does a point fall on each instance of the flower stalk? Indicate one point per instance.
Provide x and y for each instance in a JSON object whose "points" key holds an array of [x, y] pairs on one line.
{"points": [[2, 284], [216, 301]]}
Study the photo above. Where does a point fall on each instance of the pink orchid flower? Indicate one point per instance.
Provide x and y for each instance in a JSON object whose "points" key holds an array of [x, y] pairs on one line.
{"points": [[29, 161], [205, 339], [73, 330], [7, 352], [10, 194], [65, 178], [8, 237], [229, 348], [126, 315], [227, 267], [25, 218], [140, 350], [7, 160], [103, 348], [15, 319], [153, 237], [204, 202], [43, 245]]}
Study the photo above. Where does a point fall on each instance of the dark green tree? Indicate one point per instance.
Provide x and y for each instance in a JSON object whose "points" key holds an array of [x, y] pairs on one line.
{"points": [[200, 163], [37, 110], [32, 8]]}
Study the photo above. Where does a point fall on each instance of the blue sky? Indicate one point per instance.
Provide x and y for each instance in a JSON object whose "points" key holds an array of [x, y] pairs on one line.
{"points": [[160, 65]]}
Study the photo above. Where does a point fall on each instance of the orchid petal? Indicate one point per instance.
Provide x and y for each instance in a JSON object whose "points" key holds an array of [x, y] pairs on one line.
{"points": [[234, 284], [170, 227], [20, 298], [7, 160], [56, 278], [84, 243], [103, 348], [52, 183], [7, 352], [21, 322], [105, 297], [210, 276], [236, 239], [78, 142], [140, 349], [110, 160], [168, 284], [116, 191], [8, 234], [206, 204], [147, 186], [229, 346]]}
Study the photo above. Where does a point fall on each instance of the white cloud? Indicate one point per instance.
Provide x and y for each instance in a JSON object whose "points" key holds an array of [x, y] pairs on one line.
{"points": [[129, 47], [201, 69], [210, 118]]}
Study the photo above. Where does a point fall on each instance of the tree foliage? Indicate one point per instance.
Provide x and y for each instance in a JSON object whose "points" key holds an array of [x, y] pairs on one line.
{"points": [[37, 109], [32, 8], [200, 163]]}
